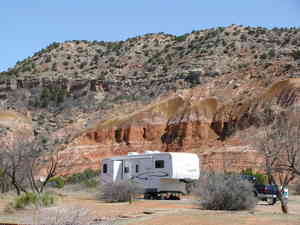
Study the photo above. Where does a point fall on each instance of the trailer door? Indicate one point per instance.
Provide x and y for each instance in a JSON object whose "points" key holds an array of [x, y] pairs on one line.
{"points": [[118, 170], [127, 170]]}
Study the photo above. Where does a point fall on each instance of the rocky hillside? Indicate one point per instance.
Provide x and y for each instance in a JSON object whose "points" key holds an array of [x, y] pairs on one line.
{"points": [[157, 91], [145, 67]]}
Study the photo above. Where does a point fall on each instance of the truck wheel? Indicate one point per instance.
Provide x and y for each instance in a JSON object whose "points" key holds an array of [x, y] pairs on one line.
{"points": [[271, 201]]}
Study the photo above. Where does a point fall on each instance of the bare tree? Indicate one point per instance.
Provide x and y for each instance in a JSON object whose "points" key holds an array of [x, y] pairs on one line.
{"points": [[279, 144], [5, 185], [12, 166], [21, 162]]}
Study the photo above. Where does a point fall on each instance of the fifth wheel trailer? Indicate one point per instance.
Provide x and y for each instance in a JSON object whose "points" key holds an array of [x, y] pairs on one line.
{"points": [[153, 171]]}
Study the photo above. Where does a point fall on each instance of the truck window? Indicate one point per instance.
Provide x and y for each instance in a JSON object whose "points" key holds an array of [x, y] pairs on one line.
{"points": [[126, 170], [159, 164], [104, 168], [136, 168]]}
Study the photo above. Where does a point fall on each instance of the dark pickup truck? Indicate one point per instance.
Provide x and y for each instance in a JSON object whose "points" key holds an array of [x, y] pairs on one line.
{"points": [[263, 192], [266, 193]]}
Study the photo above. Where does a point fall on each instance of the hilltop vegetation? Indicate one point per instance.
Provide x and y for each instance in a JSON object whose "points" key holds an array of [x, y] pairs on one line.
{"points": [[153, 57]]}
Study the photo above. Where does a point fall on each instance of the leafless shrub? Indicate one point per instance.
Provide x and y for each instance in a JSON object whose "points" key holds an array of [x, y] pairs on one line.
{"points": [[225, 192], [125, 191]]}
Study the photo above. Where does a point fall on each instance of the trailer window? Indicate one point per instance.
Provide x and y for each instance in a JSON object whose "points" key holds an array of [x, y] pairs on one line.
{"points": [[104, 168], [159, 164], [136, 168], [126, 170]]}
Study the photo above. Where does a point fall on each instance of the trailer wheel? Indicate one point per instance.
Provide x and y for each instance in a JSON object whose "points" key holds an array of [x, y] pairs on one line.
{"points": [[147, 196]]}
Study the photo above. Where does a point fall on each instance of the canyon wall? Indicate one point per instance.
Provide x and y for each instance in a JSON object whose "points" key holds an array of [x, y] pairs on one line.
{"points": [[216, 132], [219, 133]]}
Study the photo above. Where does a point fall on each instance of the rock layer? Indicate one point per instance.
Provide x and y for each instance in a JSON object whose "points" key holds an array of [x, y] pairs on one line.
{"points": [[183, 124]]}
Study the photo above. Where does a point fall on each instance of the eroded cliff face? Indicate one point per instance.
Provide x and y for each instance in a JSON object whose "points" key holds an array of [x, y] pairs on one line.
{"points": [[186, 122]]}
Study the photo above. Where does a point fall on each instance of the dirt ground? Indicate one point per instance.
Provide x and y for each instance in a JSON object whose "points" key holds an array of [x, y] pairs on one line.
{"points": [[164, 212]]}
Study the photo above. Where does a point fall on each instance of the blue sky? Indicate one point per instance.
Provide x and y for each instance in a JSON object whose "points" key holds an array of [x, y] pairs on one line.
{"points": [[26, 26]]}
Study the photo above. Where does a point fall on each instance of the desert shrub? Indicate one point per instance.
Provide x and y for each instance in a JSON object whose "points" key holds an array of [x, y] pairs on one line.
{"points": [[46, 199], [89, 173], [296, 54], [50, 95], [65, 216], [57, 182], [263, 56], [125, 191], [82, 65], [91, 183], [54, 67], [48, 59], [225, 192], [180, 38], [30, 199], [77, 178], [271, 53], [52, 46]]}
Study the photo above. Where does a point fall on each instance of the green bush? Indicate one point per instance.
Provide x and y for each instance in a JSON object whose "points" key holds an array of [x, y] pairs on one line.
{"points": [[81, 177], [24, 200], [260, 178], [46, 199], [91, 183], [30, 199], [89, 173], [57, 182]]}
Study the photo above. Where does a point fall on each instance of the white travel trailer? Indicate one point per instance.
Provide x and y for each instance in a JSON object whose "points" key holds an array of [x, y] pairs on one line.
{"points": [[155, 172]]}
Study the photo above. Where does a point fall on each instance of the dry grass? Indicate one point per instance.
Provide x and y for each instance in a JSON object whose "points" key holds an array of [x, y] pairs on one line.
{"points": [[10, 115], [65, 216]]}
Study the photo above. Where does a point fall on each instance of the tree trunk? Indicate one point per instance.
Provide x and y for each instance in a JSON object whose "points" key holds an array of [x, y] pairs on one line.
{"points": [[17, 189], [284, 202], [284, 205]]}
